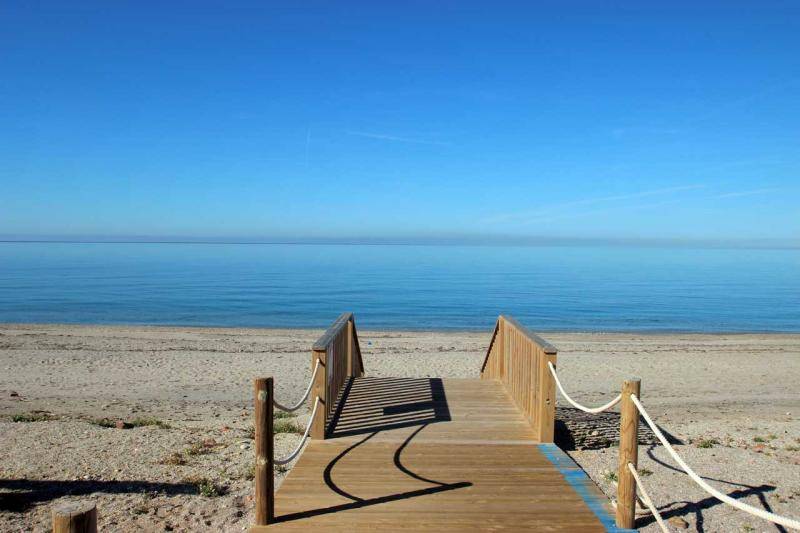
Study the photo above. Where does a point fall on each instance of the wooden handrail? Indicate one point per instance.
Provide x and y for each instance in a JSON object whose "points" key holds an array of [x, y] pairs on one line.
{"points": [[518, 358], [339, 356], [333, 330], [543, 344]]}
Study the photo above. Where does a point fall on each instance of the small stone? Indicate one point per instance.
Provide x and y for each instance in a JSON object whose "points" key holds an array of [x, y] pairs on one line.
{"points": [[209, 442], [244, 447], [678, 522]]}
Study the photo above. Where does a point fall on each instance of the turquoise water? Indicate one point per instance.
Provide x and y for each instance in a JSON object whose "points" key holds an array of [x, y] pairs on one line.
{"points": [[402, 287]]}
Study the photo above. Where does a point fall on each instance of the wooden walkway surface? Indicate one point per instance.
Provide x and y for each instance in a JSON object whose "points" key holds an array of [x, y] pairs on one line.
{"points": [[434, 454]]}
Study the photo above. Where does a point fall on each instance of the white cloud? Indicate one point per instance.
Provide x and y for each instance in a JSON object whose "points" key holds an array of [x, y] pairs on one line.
{"points": [[556, 210], [737, 194], [394, 138]]}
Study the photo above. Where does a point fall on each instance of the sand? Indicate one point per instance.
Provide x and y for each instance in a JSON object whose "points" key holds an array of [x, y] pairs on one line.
{"points": [[733, 401]]}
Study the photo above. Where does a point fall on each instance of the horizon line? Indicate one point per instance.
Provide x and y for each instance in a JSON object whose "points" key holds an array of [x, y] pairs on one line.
{"points": [[476, 240]]}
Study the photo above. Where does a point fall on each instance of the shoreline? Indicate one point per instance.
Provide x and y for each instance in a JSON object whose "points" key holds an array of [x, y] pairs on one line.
{"points": [[388, 329]]}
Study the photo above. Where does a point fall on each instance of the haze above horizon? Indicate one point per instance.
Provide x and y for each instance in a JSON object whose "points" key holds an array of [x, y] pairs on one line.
{"points": [[467, 122]]}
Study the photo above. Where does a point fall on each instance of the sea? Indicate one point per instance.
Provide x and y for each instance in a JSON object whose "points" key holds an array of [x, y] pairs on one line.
{"points": [[547, 288]]}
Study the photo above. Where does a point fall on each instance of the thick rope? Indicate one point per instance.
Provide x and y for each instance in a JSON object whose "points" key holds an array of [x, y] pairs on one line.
{"points": [[646, 499], [302, 400], [592, 410], [296, 451], [755, 511]]}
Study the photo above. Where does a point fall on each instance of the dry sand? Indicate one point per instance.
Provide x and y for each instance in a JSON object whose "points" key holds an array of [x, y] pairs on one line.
{"points": [[737, 394]]}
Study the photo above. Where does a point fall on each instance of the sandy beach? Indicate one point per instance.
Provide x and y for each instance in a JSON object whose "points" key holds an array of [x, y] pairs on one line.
{"points": [[186, 462]]}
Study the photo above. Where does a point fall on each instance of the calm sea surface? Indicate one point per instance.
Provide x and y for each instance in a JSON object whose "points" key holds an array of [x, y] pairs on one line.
{"points": [[402, 287]]}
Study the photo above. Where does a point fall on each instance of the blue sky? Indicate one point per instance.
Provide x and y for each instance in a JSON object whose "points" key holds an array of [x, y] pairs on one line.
{"points": [[403, 120]]}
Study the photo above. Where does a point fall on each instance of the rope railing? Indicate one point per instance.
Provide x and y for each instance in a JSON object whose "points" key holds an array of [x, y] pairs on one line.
{"points": [[591, 410], [647, 500], [301, 401], [755, 511], [299, 447]]}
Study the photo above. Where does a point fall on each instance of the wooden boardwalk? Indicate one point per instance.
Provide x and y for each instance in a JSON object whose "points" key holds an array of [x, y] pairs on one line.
{"points": [[434, 454], [431, 454]]}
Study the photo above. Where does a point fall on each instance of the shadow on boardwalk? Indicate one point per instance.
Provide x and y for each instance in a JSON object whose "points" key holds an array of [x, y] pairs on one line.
{"points": [[358, 502], [371, 405]]}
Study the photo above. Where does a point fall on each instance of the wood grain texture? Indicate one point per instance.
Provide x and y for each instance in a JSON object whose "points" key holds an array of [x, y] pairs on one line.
{"points": [[518, 359], [318, 392], [75, 517], [333, 331], [628, 453], [428, 454], [340, 361], [265, 451]]}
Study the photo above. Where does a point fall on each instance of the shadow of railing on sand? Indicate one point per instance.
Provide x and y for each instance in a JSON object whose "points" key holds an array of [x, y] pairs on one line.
{"points": [[689, 507]]}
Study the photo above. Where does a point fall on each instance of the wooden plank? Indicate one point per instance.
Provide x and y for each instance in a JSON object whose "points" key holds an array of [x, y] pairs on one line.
{"points": [[546, 391], [427, 454]]}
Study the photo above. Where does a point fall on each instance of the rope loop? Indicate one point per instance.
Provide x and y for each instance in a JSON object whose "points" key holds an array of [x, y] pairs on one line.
{"points": [[295, 407], [296, 451], [591, 410]]}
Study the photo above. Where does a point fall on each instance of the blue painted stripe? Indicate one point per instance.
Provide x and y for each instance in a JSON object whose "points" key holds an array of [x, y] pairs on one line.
{"points": [[583, 485]]}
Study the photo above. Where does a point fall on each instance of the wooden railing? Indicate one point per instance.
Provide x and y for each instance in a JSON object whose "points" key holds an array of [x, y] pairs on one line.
{"points": [[339, 356], [335, 358], [518, 359]]}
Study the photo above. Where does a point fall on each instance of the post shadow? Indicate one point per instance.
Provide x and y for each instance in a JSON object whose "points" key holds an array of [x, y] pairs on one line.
{"points": [[27, 493]]}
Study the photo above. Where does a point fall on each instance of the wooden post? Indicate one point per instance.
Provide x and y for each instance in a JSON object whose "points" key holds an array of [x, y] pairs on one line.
{"points": [[546, 415], [628, 453], [265, 452], [75, 517], [319, 390], [350, 351]]}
